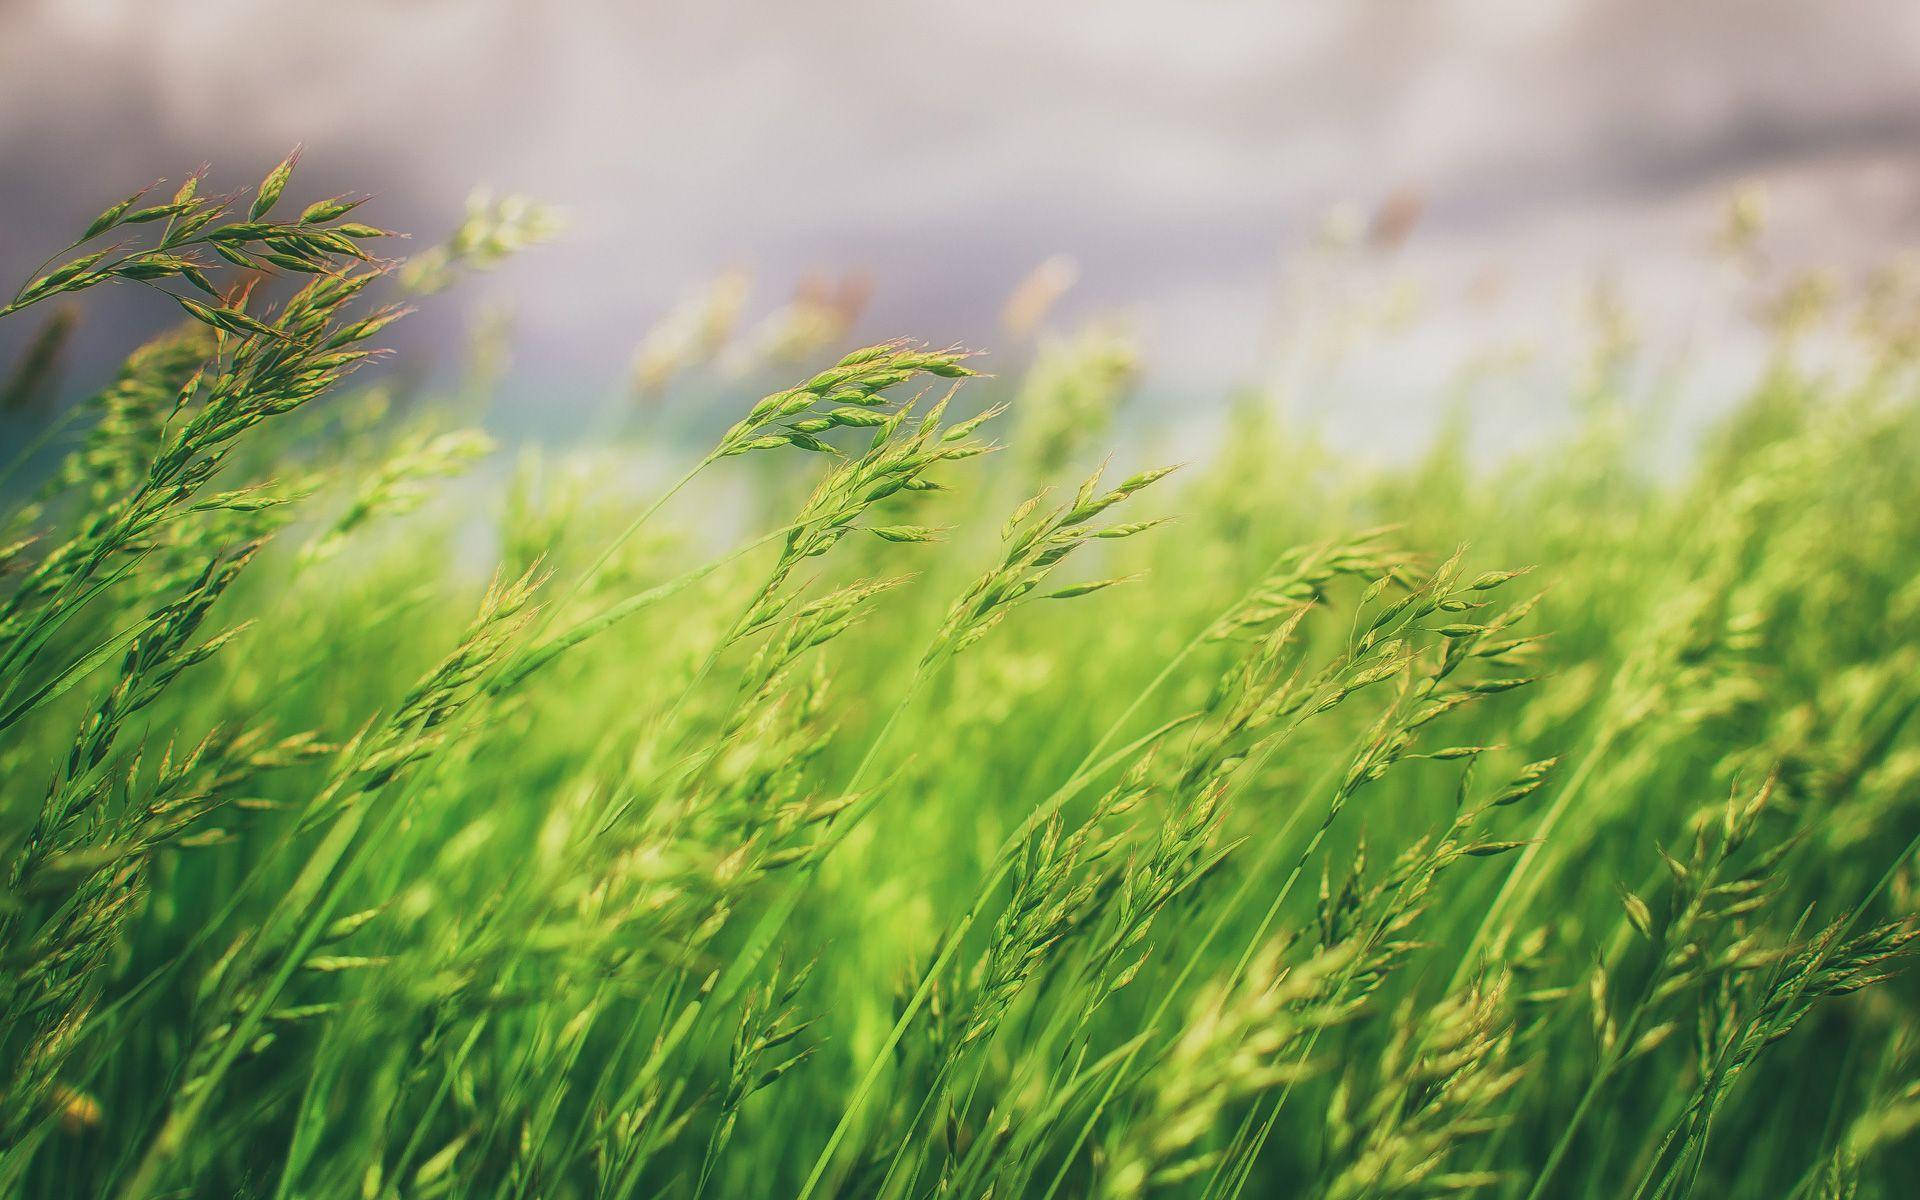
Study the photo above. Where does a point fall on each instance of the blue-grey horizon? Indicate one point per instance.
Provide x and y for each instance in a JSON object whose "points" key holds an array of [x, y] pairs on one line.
{"points": [[1184, 156]]}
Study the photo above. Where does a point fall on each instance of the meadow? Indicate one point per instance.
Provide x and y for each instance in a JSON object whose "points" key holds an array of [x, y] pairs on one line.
{"points": [[970, 820]]}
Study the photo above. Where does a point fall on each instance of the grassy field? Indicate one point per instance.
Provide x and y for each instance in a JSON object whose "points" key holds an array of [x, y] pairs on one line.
{"points": [[964, 824]]}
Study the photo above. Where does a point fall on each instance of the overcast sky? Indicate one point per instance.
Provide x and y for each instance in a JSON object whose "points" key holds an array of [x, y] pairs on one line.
{"points": [[1182, 153]]}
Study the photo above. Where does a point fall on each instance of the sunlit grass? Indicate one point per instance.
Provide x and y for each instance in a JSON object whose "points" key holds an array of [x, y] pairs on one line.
{"points": [[975, 823]]}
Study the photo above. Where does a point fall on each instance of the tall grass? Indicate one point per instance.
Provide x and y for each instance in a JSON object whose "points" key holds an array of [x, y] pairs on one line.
{"points": [[960, 826]]}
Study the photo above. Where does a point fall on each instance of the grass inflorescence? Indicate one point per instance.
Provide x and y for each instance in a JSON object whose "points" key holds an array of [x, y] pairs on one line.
{"points": [[1330, 831]]}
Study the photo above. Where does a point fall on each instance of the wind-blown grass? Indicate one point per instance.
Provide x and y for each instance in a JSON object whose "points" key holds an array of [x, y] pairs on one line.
{"points": [[971, 824]]}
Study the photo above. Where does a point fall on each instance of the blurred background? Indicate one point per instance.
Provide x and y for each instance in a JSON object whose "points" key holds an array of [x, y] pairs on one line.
{"points": [[1245, 189]]}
